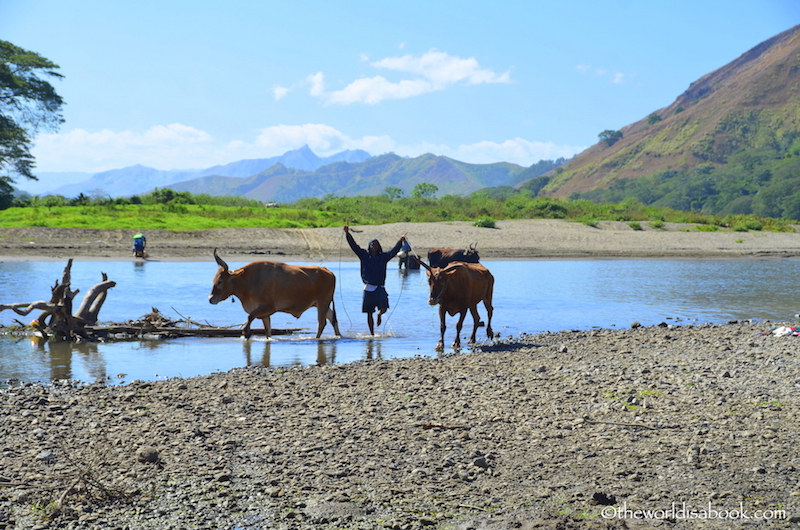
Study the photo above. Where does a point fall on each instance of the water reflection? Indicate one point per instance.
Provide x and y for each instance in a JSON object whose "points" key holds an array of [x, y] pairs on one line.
{"points": [[59, 357], [325, 352], [247, 349], [373, 350]]}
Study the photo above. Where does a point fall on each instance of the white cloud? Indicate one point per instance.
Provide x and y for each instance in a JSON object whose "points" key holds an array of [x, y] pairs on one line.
{"points": [[279, 92], [616, 77], [160, 146], [430, 72], [317, 84], [179, 146], [376, 89], [442, 69]]}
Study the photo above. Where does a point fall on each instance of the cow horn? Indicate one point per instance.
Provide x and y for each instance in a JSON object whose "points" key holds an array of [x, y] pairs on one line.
{"points": [[427, 267], [473, 246], [220, 261]]}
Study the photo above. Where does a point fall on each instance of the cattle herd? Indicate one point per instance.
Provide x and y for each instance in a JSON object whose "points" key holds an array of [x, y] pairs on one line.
{"points": [[458, 283]]}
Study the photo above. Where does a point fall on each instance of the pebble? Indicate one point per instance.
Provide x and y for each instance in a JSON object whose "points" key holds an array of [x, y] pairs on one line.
{"points": [[518, 433]]}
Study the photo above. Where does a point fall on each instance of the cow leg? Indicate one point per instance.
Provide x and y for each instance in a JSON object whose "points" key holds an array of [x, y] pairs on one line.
{"points": [[267, 326], [476, 319], [322, 316], [442, 327], [459, 325], [489, 310], [334, 320], [246, 330]]}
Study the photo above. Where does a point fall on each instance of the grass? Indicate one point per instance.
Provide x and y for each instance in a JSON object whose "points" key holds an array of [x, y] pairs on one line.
{"points": [[185, 212], [164, 217]]}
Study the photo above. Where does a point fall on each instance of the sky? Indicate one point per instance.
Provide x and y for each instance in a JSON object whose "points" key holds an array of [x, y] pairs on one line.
{"points": [[174, 84]]}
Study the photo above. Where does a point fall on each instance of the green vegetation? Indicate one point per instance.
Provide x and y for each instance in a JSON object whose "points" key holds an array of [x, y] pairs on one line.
{"points": [[610, 137], [28, 104], [761, 182], [182, 211]]}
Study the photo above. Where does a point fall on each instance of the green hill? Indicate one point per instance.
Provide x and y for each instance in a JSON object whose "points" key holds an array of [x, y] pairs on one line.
{"points": [[729, 144]]}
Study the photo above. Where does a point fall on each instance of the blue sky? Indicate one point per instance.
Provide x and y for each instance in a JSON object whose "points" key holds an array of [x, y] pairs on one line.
{"points": [[189, 84]]}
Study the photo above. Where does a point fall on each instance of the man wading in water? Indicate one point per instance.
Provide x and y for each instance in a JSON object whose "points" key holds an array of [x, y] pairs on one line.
{"points": [[373, 274]]}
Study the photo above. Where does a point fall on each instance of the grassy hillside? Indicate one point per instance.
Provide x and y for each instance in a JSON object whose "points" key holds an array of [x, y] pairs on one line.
{"points": [[729, 144]]}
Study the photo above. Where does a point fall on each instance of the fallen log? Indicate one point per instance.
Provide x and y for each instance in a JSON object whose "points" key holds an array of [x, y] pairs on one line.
{"points": [[135, 332]]}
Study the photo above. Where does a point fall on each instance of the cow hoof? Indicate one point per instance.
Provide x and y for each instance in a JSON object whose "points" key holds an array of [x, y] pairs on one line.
{"points": [[440, 347]]}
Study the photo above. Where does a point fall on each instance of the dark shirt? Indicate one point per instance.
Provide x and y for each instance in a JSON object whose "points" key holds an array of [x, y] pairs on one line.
{"points": [[373, 268]]}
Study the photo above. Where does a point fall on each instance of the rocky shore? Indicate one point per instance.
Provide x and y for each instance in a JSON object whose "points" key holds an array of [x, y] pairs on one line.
{"points": [[696, 424]]}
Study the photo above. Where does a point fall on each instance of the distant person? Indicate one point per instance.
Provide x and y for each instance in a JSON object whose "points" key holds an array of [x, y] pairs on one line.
{"points": [[139, 243], [373, 274], [403, 255]]}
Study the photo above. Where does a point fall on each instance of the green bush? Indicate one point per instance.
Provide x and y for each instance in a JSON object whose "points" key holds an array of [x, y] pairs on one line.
{"points": [[485, 222]]}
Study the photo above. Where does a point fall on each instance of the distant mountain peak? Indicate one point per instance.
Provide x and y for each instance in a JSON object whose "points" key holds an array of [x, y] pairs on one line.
{"points": [[138, 178]]}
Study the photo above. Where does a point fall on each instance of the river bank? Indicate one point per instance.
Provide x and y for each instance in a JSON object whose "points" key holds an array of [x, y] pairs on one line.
{"points": [[563, 430], [523, 239]]}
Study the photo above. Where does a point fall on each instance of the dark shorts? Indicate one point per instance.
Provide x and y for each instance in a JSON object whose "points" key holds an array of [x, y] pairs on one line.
{"points": [[378, 298]]}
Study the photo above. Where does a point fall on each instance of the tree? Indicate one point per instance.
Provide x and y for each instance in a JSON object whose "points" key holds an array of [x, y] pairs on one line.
{"points": [[393, 193], [425, 189], [28, 104], [610, 137]]}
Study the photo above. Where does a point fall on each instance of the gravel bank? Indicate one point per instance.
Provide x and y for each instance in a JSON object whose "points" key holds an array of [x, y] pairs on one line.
{"points": [[524, 239], [529, 433]]}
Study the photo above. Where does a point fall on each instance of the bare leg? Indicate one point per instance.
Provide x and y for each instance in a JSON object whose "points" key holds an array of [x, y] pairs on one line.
{"points": [[371, 324]]}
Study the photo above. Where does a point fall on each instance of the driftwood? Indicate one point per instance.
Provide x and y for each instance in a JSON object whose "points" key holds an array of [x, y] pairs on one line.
{"points": [[57, 316], [156, 325], [123, 331]]}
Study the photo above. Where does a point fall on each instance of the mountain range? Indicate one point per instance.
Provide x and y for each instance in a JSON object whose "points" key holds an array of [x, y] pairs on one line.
{"points": [[370, 177], [300, 174], [141, 179]]}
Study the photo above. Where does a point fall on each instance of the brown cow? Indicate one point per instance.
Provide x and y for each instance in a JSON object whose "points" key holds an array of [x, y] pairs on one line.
{"points": [[456, 288], [442, 257], [267, 287]]}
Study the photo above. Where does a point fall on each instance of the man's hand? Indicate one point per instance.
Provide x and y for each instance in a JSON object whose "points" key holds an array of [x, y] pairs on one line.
{"points": [[346, 229]]}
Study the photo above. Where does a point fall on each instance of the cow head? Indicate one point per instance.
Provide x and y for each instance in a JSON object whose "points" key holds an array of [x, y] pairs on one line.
{"points": [[437, 280], [472, 251], [223, 282]]}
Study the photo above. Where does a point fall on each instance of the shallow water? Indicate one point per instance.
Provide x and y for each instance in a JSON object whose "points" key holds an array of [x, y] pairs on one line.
{"points": [[530, 297]]}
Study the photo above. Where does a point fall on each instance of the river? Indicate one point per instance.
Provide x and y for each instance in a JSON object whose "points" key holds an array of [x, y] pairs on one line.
{"points": [[530, 297]]}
